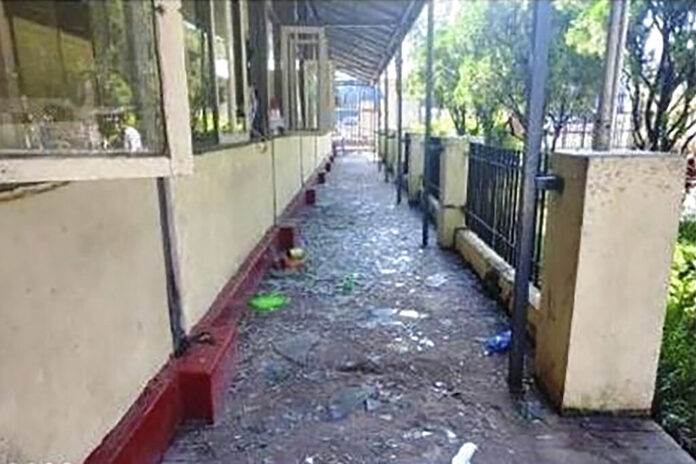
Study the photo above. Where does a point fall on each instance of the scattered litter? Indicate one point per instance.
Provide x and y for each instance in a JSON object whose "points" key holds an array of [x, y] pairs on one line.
{"points": [[387, 271], [309, 460], [436, 280], [498, 343], [297, 253], [294, 258], [266, 302], [371, 404], [348, 400], [411, 314], [348, 284], [417, 434], [465, 453], [451, 436], [204, 338], [380, 317], [531, 411], [296, 347]]}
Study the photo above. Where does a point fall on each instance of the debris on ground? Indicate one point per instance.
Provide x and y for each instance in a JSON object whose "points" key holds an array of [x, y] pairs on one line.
{"points": [[498, 343], [348, 284], [436, 280], [465, 453], [294, 258], [296, 347], [391, 372], [264, 303], [349, 400], [297, 253]]}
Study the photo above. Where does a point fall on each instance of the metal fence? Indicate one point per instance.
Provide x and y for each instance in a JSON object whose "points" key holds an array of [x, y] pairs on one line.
{"points": [[493, 202], [432, 181]]}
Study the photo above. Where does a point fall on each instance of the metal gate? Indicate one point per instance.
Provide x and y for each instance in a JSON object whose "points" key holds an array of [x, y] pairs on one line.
{"points": [[355, 114]]}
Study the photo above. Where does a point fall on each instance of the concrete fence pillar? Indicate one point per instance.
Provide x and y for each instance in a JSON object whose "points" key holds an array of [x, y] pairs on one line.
{"points": [[608, 248], [414, 179], [391, 152], [454, 168], [381, 145]]}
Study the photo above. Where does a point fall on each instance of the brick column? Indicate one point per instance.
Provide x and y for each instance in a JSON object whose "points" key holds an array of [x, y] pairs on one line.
{"points": [[608, 249], [454, 166]]}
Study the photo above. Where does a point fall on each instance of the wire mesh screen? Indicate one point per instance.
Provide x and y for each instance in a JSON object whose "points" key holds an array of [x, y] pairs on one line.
{"points": [[493, 202]]}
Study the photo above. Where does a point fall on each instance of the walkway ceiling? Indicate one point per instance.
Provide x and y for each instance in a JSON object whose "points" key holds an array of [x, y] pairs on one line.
{"points": [[363, 34]]}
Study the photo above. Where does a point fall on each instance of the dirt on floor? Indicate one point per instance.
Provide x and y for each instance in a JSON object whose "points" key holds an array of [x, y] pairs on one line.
{"points": [[378, 357]]}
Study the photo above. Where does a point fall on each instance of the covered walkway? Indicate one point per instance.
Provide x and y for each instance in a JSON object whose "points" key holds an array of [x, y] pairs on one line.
{"points": [[378, 358]]}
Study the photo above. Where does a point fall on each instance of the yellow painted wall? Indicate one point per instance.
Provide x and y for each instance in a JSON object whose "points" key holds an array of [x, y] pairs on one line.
{"points": [[608, 249], [84, 315], [288, 170], [221, 212], [227, 205], [309, 160], [84, 305], [324, 145]]}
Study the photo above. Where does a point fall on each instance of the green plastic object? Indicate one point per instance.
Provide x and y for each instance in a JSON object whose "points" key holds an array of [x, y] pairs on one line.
{"points": [[348, 284], [267, 302]]}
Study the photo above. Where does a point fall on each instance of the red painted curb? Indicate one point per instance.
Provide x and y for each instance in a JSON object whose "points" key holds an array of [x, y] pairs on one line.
{"points": [[148, 427], [286, 237], [193, 386], [310, 197]]}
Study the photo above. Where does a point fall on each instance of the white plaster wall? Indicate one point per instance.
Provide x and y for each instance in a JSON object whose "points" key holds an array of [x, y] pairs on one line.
{"points": [[84, 315]]}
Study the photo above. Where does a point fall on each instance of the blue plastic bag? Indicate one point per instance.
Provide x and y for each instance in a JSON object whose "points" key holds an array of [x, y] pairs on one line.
{"points": [[499, 343]]}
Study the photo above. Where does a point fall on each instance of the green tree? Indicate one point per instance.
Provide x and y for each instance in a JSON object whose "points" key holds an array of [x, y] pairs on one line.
{"points": [[481, 69], [452, 42], [661, 69]]}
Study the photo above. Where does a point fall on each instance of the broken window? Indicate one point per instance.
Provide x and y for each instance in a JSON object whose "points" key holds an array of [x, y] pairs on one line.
{"points": [[79, 77], [305, 76], [215, 70]]}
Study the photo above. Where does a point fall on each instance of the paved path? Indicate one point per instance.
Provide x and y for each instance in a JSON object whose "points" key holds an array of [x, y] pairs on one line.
{"points": [[378, 358]]}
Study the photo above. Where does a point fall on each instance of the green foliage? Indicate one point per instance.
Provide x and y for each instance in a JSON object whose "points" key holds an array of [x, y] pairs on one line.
{"points": [[661, 71], [481, 68], [587, 32], [675, 398]]}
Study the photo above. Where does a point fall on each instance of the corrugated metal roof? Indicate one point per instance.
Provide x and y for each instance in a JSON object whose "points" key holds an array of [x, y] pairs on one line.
{"points": [[363, 35]]}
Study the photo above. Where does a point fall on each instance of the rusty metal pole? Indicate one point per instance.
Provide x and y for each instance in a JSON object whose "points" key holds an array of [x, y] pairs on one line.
{"points": [[532, 153], [378, 127], [428, 117], [386, 122], [399, 122]]}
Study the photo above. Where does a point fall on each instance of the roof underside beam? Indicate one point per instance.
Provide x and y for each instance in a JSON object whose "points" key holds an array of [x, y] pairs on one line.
{"points": [[363, 34]]}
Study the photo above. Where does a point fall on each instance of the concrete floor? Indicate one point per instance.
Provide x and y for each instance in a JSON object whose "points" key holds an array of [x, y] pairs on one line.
{"points": [[378, 358]]}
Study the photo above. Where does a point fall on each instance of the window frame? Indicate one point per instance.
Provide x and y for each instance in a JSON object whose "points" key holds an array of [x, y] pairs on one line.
{"points": [[176, 158], [219, 138], [291, 79], [226, 138]]}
